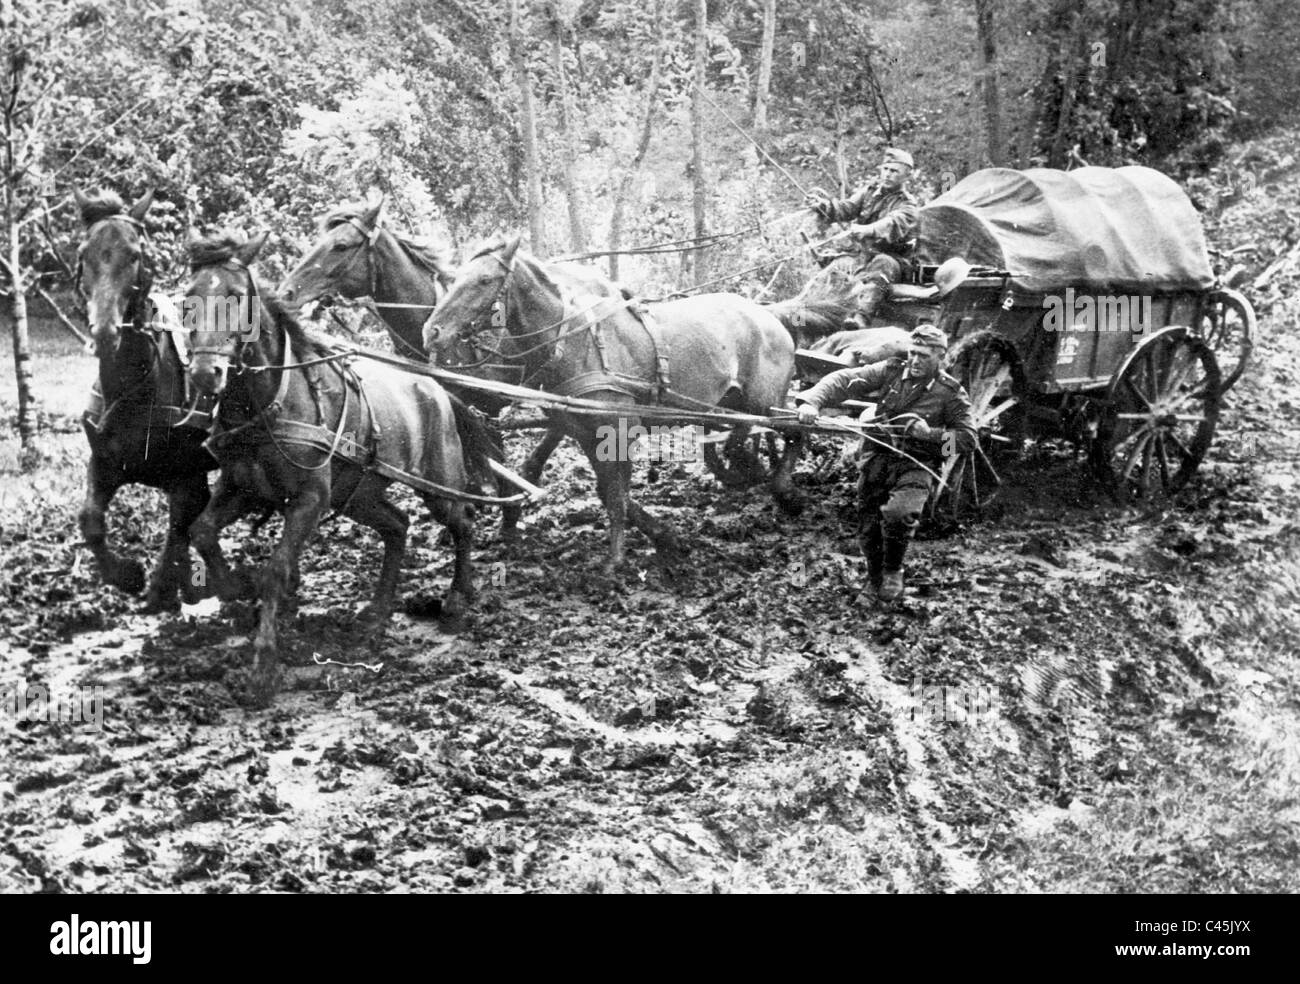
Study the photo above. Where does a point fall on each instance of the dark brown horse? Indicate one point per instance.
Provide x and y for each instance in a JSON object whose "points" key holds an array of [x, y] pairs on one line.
{"points": [[300, 426], [576, 335], [138, 400], [358, 256]]}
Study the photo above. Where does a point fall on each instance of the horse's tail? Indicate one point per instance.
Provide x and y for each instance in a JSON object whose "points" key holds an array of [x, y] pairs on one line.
{"points": [[803, 318]]}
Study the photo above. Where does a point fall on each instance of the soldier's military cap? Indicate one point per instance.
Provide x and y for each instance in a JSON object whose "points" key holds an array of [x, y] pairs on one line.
{"points": [[930, 335], [897, 156]]}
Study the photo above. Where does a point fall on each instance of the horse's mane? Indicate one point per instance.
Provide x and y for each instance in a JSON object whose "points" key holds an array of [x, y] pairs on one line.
{"points": [[100, 205], [433, 257], [219, 249]]}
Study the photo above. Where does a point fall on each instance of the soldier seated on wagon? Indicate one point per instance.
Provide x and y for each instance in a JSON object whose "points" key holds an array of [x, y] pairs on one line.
{"points": [[884, 216], [930, 415]]}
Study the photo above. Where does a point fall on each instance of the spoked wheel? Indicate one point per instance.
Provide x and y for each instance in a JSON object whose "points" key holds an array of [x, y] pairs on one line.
{"points": [[987, 366], [750, 461], [1228, 326], [1163, 406]]}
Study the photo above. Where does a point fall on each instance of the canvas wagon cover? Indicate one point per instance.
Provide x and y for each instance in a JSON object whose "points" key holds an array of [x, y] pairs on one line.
{"points": [[1127, 229]]}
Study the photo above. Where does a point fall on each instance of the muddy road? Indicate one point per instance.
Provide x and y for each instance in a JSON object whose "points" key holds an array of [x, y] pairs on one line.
{"points": [[1075, 697]]}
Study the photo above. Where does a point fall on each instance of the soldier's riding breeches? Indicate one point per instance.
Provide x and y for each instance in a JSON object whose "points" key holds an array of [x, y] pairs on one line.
{"points": [[895, 491]]}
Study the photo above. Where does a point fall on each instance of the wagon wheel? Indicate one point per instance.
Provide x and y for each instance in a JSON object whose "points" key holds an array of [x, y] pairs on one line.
{"points": [[1162, 407], [1228, 325], [751, 461], [989, 370]]}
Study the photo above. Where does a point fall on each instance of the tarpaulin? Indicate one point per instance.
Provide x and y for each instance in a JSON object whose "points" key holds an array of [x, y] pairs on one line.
{"points": [[1127, 229]]}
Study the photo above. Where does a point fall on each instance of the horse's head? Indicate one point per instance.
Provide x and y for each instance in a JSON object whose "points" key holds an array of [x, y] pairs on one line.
{"points": [[112, 265], [341, 262], [474, 304], [222, 309]]}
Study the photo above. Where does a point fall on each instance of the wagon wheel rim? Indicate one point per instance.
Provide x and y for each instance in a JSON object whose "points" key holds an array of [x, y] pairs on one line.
{"points": [[991, 375], [1228, 326], [1164, 406]]}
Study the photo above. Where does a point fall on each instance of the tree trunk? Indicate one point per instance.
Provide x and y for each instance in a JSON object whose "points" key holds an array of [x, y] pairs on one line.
{"points": [[643, 145], [1071, 66], [992, 107], [577, 223], [527, 133], [765, 65], [841, 128], [22, 345], [697, 134]]}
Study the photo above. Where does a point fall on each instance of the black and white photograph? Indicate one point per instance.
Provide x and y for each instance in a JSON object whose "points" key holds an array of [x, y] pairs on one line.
{"points": [[652, 447]]}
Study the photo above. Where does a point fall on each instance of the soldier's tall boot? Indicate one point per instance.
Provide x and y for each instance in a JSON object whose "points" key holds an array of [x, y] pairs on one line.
{"points": [[873, 548], [868, 298], [897, 536]]}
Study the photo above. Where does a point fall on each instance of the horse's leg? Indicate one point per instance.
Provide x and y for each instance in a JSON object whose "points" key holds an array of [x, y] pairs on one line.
{"points": [[101, 485], [612, 481], [301, 518], [783, 490], [185, 500], [542, 453], [225, 506], [509, 514], [391, 524], [455, 516]]}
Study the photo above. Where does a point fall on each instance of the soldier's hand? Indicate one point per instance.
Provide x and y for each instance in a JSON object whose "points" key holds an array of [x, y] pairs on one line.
{"points": [[918, 430], [867, 231], [807, 413], [818, 203]]}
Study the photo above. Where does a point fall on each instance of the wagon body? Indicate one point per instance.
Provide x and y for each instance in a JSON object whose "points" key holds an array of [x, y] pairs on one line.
{"points": [[1091, 312]]}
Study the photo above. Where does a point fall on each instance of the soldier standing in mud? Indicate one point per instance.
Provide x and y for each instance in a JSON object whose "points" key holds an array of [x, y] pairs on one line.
{"points": [[931, 419], [884, 217]]}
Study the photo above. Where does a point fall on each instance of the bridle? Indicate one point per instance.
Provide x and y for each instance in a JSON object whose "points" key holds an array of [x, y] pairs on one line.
{"points": [[471, 331], [233, 265], [144, 269], [266, 415], [139, 297]]}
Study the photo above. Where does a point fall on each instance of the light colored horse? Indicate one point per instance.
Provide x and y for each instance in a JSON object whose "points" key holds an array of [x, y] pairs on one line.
{"points": [[576, 335]]}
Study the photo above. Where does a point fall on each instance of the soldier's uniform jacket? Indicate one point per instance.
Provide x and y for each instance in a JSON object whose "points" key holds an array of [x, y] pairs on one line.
{"points": [[872, 204], [940, 401]]}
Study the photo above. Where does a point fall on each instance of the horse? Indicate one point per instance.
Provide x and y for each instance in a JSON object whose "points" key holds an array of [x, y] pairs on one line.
{"points": [[298, 425], [706, 352], [137, 402], [358, 256]]}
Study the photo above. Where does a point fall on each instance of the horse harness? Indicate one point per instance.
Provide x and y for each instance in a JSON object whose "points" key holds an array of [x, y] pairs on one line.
{"points": [[336, 443], [605, 378], [95, 418]]}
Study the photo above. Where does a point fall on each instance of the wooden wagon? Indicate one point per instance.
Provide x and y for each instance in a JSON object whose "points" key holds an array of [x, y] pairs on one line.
{"points": [[1090, 311]]}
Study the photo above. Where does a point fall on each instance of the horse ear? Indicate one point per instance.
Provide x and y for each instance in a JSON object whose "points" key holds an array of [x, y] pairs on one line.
{"points": [[370, 217], [511, 247], [139, 208], [81, 200], [247, 253]]}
